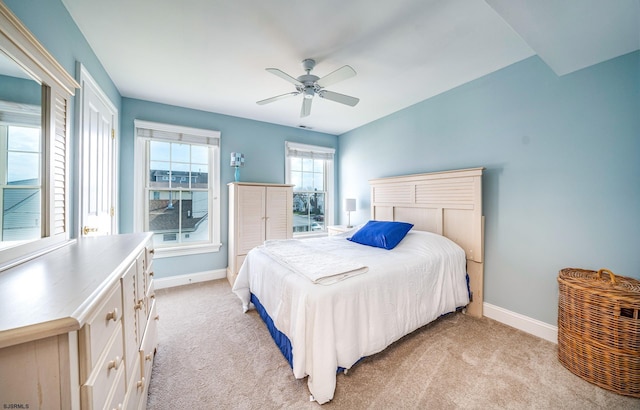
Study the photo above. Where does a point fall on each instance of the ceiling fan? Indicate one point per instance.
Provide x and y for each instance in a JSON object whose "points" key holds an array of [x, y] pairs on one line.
{"points": [[309, 85]]}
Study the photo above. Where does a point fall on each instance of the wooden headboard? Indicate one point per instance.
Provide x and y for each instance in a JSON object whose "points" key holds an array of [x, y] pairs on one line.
{"points": [[448, 203]]}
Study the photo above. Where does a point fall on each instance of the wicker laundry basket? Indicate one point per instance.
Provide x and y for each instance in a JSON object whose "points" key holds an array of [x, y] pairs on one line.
{"points": [[599, 328]]}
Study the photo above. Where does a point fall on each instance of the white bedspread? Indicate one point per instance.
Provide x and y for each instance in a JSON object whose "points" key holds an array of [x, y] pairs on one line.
{"points": [[334, 326]]}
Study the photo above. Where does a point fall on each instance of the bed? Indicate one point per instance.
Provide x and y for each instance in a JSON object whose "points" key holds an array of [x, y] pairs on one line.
{"points": [[326, 319]]}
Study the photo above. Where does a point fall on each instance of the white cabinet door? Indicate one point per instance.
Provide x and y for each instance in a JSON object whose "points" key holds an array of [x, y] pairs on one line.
{"points": [[279, 213], [251, 217], [257, 212]]}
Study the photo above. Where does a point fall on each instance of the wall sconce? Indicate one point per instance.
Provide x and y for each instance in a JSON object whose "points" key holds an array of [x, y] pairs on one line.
{"points": [[349, 206], [237, 161]]}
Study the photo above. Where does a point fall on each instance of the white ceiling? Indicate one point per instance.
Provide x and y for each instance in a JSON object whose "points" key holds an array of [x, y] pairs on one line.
{"points": [[211, 55]]}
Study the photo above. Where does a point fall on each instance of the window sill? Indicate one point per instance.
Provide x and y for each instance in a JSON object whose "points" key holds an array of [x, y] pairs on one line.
{"points": [[185, 250], [317, 234]]}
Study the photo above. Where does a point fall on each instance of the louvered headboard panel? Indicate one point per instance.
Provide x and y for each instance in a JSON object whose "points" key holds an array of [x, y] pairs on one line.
{"points": [[448, 203]]}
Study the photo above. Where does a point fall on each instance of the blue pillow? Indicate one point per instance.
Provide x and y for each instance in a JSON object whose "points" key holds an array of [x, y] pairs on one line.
{"points": [[381, 234]]}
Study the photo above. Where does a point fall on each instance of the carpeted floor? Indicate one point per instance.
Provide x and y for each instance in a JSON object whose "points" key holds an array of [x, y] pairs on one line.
{"points": [[213, 356]]}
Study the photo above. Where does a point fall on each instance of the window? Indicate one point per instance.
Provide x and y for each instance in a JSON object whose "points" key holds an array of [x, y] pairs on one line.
{"points": [[177, 187], [310, 169], [20, 184]]}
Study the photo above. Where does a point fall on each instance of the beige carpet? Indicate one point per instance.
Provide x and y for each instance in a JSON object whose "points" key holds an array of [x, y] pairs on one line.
{"points": [[213, 356]]}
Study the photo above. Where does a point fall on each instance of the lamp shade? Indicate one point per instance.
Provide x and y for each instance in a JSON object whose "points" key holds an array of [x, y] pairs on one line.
{"points": [[350, 204], [237, 159]]}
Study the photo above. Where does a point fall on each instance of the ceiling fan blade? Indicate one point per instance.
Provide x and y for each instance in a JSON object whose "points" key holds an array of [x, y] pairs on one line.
{"points": [[283, 75], [337, 97], [276, 98], [306, 107], [340, 74]]}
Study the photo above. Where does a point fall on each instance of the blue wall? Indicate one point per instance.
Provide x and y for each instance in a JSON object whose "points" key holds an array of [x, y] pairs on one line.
{"points": [[261, 143], [20, 90], [562, 178], [52, 25]]}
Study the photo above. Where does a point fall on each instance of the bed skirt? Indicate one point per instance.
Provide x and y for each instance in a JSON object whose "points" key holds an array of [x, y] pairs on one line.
{"points": [[281, 340]]}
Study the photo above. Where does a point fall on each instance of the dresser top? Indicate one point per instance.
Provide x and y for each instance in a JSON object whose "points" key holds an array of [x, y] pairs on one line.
{"points": [[54, 293]]}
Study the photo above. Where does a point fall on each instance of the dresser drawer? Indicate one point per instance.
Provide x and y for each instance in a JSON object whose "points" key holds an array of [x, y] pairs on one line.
{"points": [[147, 351], [96, 332], [117, 398], [148, 275], [107, 375], [151, 297], [135, 387], [149, 257], [149, 342], [148, 266]]}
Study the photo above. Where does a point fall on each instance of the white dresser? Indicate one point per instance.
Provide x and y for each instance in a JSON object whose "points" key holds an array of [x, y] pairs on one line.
{"points": [[257, 212], [78, 326]]}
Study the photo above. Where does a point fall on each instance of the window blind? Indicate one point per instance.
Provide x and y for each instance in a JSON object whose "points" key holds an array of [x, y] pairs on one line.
{"points": [[295, 150], [21, 114], [172, 133]]}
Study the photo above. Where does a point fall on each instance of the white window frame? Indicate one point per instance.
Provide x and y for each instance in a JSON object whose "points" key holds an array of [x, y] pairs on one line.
{"points": [[176, 133], [295, 149]]}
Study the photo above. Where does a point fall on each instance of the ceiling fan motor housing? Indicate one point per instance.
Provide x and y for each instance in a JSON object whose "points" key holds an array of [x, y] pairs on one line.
{"points": [[308, 87]]}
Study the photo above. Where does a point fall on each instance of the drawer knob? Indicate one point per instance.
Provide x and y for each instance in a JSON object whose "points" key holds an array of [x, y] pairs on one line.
{"points": [[139, 305], [151, 273], [113, 315], [114, 364], [152, 251], [152, 296], [140, 383], [157, 317], [148, 357]]}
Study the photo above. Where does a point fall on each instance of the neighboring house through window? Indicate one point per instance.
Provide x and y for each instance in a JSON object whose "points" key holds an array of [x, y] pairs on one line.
{"points": [[178, 187], [310, 169]]}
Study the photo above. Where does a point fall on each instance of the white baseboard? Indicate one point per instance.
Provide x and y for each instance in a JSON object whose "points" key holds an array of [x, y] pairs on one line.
{"points": [[521, 322], [179, 280]]}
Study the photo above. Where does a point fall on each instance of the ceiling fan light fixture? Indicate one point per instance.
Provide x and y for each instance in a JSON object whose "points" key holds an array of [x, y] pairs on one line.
{"points": [[308, 92]]}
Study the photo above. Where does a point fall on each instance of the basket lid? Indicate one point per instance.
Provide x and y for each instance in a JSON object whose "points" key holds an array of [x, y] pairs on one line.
{"points": [[604, 280]]}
